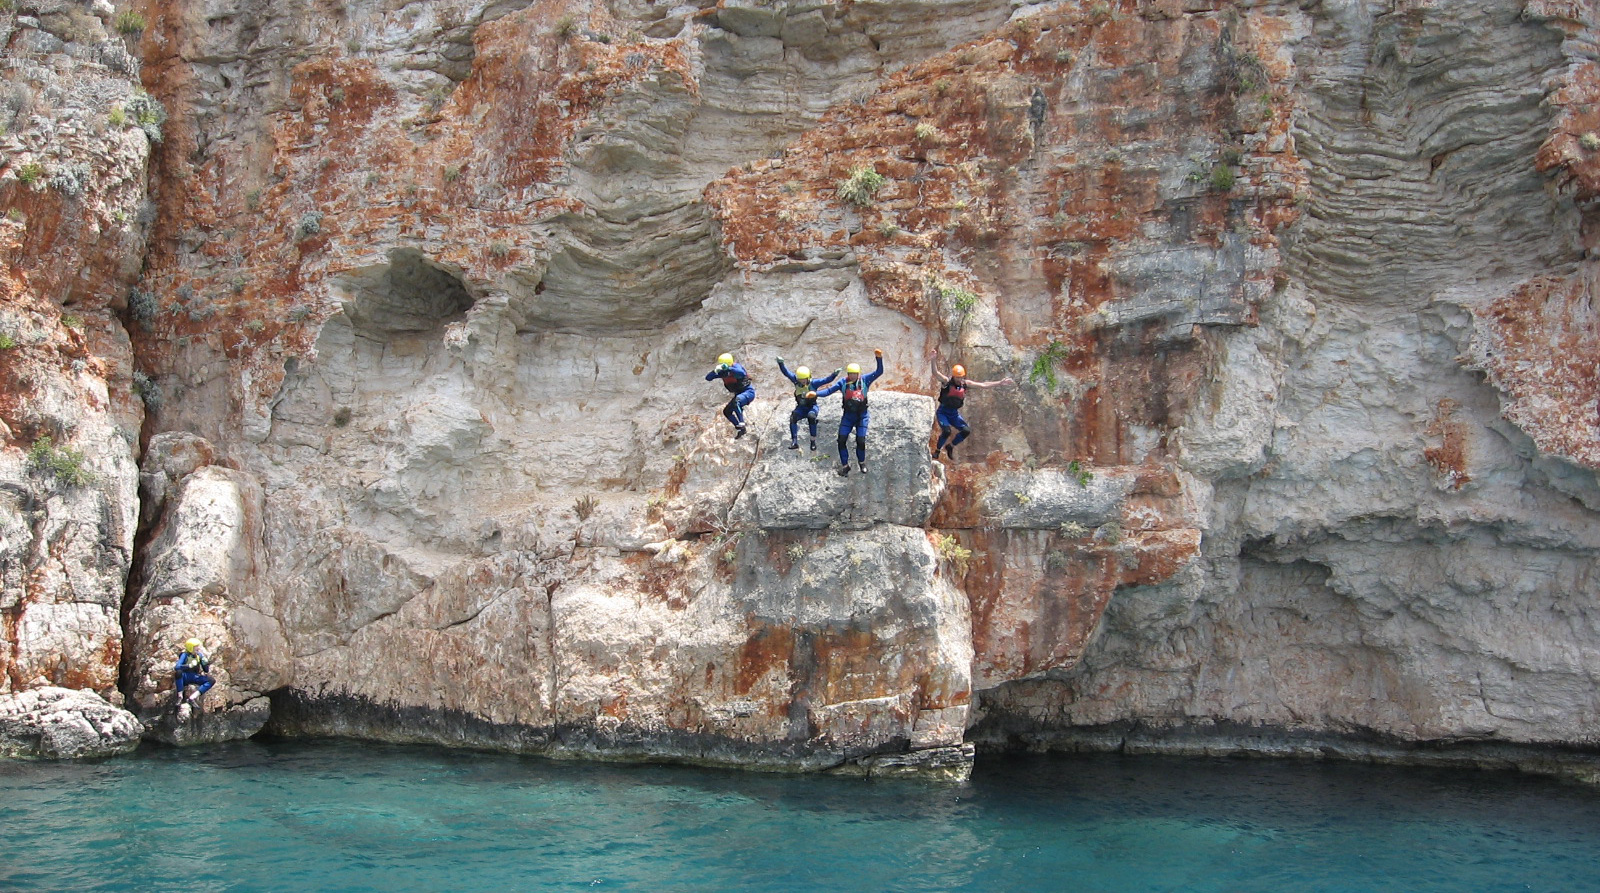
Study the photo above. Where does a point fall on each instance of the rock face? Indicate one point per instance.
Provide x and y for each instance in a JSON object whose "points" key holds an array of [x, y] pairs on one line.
{"points": [[1298, 299], [75, 142], [62, 724]]}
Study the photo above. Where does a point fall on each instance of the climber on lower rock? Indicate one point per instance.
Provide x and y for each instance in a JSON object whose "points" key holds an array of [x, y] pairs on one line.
{"points": [[805, 401], [952, 394], [738, 383], [854, 387], [193, 664]]}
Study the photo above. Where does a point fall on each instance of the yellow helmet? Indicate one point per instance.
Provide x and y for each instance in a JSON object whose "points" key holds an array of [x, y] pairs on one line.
{"points": [[853, 368], [725, 360], [958, 370], [803, 372], [191, 645]]}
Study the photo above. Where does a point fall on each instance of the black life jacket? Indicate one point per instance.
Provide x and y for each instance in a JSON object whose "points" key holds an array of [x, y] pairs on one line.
{"points": [[953, 394], [803, 387], [735, 382], [854, 393]]}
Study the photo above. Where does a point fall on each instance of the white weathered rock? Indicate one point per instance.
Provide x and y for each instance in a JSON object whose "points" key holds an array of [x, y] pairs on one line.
{"points": [[64, 724]]}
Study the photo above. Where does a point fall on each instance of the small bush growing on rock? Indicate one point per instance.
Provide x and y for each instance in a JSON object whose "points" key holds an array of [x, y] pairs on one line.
{"points": [[1081, 474], [1222, 178], [584, 507], [1044, 366], [7, 341], [1073, 530], [309, 225], [129, 22], [1110, 533], [452, 173], [72, 320], [1057, 559], [962, 300], [64, 464], [118, 117], [1590, 142], [148, 114], [341, 417], [951, 551], [927, 133], [499, 249], [148, 390], [142, 307], [797, 552], [30, 174], [860, 187], [566, 27], [1099, 12]]}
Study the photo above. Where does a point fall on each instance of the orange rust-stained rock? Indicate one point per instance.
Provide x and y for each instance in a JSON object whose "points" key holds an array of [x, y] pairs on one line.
{"points": [[1541, 347]]}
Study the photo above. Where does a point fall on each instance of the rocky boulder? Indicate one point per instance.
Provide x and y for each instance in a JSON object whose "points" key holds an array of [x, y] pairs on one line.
{"points": [[64, 724]]}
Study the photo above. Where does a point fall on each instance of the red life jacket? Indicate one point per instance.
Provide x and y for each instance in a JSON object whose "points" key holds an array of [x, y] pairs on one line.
{"points": [[854, 393], [953, 394], [735, 382]]}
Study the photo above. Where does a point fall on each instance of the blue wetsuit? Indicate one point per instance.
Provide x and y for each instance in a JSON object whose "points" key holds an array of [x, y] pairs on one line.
{"points": [[951, 396], [855, 412], [804, 407], [191, 670], [738, 383]]}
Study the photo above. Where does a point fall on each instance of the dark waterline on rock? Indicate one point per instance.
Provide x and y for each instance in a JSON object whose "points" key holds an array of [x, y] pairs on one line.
{"points": [[340, 816]]}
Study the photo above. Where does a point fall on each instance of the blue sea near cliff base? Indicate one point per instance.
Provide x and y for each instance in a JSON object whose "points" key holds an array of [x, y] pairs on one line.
{"points": [[341, 816]]}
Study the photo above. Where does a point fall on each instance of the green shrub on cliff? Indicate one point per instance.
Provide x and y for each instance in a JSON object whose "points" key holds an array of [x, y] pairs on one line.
{"points": [[129, 22], [862, 184], [65, 465]]}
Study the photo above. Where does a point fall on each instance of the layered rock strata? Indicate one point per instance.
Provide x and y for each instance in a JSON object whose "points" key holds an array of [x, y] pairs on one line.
{"points": [[1298, 300]]}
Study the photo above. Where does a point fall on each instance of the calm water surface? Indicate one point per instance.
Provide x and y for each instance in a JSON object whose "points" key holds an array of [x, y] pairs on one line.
{"points": [[296, 816]]}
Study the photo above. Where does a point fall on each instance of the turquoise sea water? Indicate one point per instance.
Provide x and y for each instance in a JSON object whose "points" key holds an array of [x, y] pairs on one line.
{"points": [[330, 816]]}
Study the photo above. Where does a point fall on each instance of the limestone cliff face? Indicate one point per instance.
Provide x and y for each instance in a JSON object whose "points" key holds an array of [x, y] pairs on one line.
{"points": [[1298, 299]]}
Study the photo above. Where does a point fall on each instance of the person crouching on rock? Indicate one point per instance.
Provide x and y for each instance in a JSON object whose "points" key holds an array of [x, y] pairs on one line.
{"points": [[805, 401], [952, 394], [191, 670], [854, 387], [738, 383]]}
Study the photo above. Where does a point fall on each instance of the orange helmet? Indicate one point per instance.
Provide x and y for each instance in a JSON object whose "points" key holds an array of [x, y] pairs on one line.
{"points": [[958, 370]]}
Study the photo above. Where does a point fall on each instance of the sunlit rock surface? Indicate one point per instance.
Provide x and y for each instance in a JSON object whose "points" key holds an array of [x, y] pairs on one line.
{"points": [[1298, 302]]}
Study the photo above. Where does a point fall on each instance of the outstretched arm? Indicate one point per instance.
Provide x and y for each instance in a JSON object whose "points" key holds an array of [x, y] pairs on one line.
{"points": [[933, 361], [785, 370], [712, 375], [989, 384], [830, 388]]}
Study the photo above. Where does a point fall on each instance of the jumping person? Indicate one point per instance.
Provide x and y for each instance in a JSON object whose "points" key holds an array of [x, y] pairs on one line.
{"points": [[193, 663], [952, 394], [805, 401], [738, 383], [854, 389]]}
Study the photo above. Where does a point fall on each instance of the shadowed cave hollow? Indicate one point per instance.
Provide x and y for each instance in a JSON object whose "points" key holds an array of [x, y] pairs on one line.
{"points": [[409, 294]]}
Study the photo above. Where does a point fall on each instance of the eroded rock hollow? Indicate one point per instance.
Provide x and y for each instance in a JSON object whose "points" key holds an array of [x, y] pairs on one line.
{"points": [[369, 345]]}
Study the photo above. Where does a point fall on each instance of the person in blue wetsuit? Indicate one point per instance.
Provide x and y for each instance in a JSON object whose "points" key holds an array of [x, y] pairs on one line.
{"points": [[805, 401], [738, 383], [193, 664], [952, 394], [854, 387]]}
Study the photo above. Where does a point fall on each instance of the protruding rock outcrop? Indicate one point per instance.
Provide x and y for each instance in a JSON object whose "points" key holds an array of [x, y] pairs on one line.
{"points": [[64, 724], [197, 580]]}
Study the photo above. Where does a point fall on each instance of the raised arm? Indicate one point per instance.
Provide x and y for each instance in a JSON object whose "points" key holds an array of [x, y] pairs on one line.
{"points": [[933, 361], [872, 376], [785, 370]]}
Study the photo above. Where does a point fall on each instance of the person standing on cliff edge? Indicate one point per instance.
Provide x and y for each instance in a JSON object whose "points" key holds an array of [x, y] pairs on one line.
{"points": [[805, 401], [952, 394], [854, 389], [738, 383]]}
